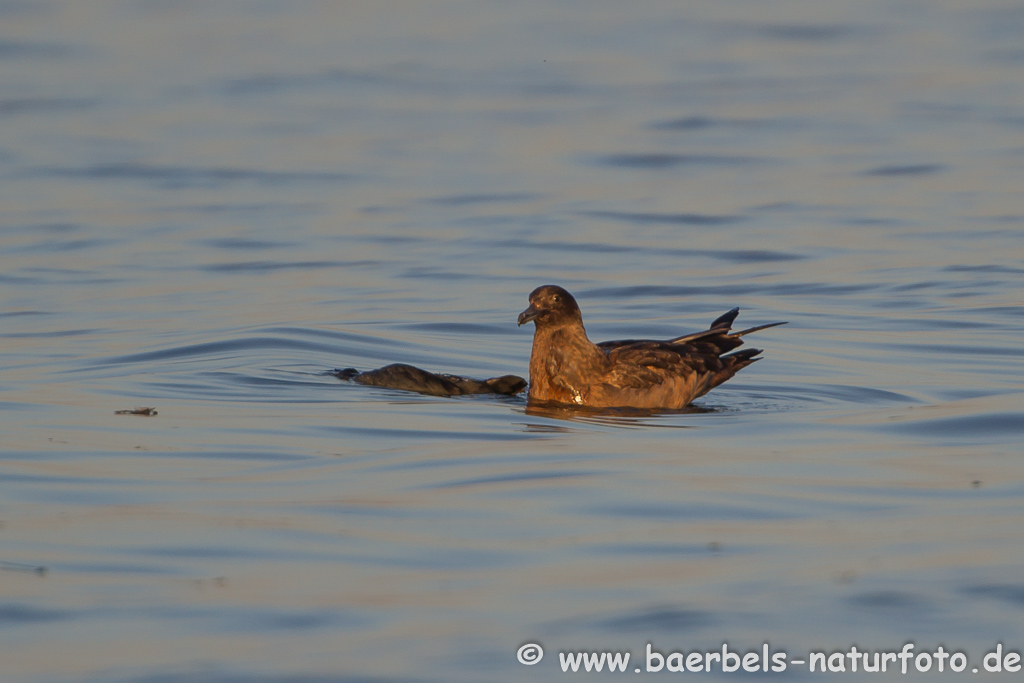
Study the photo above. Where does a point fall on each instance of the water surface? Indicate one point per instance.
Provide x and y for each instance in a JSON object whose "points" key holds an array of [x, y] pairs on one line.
{"points": [[206, 206]]}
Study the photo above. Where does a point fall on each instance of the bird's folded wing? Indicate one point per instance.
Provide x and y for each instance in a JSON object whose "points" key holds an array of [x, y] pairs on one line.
{"points": [[646, 364]]}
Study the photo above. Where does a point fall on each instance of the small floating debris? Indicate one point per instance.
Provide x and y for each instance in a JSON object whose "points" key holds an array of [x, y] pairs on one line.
{"points": [[19, 567], [136, 411]]}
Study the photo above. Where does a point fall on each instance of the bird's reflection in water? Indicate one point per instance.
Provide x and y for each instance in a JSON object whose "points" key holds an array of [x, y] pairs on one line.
{"points": [[416, 380], [613, 417]]}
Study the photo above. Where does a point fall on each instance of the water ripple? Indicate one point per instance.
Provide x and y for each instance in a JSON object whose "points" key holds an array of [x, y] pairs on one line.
{"points": [[731, 255], [19, 615], [43, 105], [270, 266], [677, 291], [471, 199], [703, 511], [242, 243], [988, 427], [236, 346], [905, 170], [29, 50], [704, 122], [891, 601], [395, 433], [1011, 594], [665, 218], [518, 478], [180, 177], [656, 619], [660, 161], [807, 33]]}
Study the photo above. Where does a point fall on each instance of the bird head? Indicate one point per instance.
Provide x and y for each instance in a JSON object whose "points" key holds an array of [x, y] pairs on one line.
{"points": [[551, 306]]}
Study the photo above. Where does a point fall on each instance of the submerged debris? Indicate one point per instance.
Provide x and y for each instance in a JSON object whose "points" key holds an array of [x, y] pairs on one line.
{"points": [[136, 411]]}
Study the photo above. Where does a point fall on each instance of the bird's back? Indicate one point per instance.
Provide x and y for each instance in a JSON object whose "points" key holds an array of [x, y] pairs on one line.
{"points": [[666, 374]]}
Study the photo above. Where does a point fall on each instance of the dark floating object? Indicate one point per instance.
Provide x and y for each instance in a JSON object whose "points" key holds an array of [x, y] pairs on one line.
{"points": [[410, 378], [137, 411], [567, 368]]}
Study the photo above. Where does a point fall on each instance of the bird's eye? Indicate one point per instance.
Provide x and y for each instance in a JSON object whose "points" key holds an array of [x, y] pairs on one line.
{"points": [[556, 298]]}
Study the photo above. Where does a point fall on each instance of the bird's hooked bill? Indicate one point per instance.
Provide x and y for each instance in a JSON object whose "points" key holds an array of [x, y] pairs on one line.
{"points": [[528, 315]]}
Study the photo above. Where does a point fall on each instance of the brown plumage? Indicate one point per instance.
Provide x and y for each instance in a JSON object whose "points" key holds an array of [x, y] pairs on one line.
{"points": [[411, 378], [566, 367]]}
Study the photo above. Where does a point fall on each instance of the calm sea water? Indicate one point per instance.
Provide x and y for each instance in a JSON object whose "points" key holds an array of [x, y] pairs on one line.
{"points": [[206, 205]]}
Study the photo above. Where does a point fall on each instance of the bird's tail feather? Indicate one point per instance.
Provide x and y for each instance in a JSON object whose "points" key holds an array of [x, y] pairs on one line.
{"points": [[758, 327], [725, 321], [721, 326]]}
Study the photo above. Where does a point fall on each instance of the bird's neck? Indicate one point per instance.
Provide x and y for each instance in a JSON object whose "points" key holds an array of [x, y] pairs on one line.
{"points": [[561, 361]]}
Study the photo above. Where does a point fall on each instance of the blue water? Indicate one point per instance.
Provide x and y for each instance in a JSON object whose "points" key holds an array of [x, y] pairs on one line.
{"points": [[206, 206]]}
